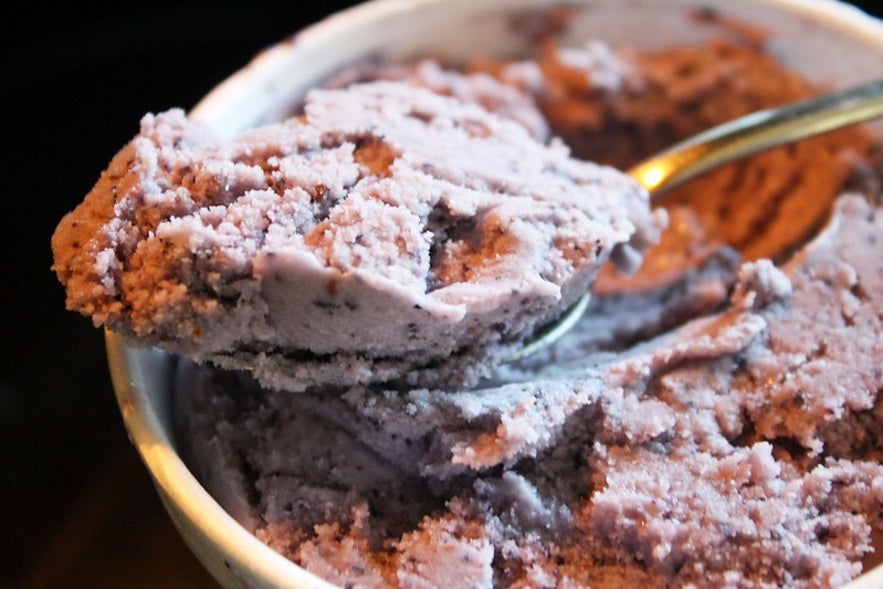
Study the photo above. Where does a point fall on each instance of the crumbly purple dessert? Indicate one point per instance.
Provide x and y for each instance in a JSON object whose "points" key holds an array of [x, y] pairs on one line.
{"points": [[388, 233], [740, 449], [709, 422]]}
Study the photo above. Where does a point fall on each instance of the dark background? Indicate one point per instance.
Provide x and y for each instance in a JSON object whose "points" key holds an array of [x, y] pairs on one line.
{"points": [[77, 507]]}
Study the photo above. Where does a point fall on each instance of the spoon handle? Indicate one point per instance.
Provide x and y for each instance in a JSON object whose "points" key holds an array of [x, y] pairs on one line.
{"points": [[756, 132], [722, 144]]}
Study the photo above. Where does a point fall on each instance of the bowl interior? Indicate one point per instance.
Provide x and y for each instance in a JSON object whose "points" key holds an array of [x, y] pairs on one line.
{"points": [[828, 42]]}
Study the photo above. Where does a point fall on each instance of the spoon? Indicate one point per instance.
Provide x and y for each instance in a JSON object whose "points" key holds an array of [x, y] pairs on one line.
{"points": [[725, 143]]}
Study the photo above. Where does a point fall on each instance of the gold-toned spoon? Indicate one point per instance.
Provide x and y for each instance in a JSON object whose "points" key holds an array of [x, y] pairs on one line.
{"points": [[725, 143]]}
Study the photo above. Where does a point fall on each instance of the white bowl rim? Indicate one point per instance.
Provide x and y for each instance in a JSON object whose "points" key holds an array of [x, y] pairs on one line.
{"points": [[177, 483]]}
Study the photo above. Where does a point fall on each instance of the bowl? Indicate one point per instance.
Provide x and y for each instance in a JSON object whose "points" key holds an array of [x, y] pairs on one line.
{"points": [[830, 43]]}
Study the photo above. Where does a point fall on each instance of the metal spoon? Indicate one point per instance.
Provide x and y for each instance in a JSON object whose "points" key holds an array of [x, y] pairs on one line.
{"points": [[725, 143]]}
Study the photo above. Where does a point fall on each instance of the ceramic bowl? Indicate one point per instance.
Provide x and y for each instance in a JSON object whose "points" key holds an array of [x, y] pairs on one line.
{"points": [[828, 42]]}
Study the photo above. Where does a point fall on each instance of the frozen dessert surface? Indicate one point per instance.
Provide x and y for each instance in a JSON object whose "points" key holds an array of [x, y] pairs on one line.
{"points": [[712, 421], [388, 232], [740, 447]]}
